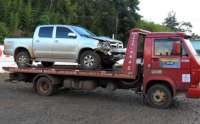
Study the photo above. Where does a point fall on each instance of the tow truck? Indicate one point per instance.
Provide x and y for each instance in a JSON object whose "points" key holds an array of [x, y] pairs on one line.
{"points": [[158, 65]]}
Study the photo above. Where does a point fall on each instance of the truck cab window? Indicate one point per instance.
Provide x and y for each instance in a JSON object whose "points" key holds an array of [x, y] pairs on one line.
{"points": [[46, 32], [167, 47], [184, 52], [62, 32]]}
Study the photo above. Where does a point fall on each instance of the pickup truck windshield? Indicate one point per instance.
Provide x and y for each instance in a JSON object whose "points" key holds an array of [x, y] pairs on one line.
{"points": [[83, 32]]}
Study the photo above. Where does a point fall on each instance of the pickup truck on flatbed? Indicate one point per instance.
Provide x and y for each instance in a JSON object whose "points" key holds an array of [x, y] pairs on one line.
{"points": [[65, 43], [158, 65]]}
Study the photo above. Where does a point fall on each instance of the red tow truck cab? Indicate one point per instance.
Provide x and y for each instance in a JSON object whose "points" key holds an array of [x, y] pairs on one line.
{"points": [[157, 64]]}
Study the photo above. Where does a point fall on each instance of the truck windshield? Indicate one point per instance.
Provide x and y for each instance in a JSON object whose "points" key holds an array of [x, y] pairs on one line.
{"points": [[83, 32], [196, 45], [192, 50]]}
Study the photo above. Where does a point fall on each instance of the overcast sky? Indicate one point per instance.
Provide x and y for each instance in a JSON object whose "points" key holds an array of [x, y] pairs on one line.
{"points": [[186, 10]]}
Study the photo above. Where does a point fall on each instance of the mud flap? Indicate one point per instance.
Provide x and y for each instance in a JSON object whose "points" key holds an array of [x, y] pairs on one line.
{"points": [[193, 92]]}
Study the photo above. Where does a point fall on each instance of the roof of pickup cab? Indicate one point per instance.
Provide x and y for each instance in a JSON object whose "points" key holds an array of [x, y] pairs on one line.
{"points": [[57, 25], [159, 34]]}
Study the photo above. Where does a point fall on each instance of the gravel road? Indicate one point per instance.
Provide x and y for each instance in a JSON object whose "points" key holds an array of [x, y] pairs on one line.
{"points": [[19, 104]]}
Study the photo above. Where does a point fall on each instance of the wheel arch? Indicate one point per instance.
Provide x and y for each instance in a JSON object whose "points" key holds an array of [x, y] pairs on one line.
{"points": [[166, 83], [81, 51], [19, 49]]}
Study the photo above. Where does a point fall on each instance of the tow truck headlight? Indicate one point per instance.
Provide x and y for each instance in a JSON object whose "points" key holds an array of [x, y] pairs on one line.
{"points": [[104, 45]]}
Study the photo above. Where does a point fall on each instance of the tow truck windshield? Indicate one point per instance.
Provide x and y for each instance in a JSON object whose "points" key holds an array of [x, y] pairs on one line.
{"points": [[193, 50], [196, 45]]}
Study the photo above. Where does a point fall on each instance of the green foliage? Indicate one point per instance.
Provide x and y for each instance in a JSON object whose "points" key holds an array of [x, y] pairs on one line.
{"points": [[151, 26], [185, 27], [172, 23], [3, 31], [103, 17], [44, 19]]}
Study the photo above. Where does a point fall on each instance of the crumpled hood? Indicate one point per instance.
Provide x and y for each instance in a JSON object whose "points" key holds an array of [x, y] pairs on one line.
{"points": [[103, 38]]}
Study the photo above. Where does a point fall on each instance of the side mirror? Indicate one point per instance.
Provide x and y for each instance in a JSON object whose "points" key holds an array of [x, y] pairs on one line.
{"points": [[176, 48], [71, 35]]}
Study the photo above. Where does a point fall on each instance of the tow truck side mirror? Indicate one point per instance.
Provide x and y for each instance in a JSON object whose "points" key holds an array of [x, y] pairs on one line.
{"points": [[176, 50]]}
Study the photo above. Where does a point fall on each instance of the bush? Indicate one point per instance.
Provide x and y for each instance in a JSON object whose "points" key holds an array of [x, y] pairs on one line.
{"points": [[151, 26], [3, 32]]}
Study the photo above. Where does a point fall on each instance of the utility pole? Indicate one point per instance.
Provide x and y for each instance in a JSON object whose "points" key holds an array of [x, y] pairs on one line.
{"points": [[51, 4], [116, 25]]}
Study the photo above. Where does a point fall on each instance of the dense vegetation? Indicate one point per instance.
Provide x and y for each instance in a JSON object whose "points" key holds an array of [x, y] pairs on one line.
{"points": [[103, 17]]}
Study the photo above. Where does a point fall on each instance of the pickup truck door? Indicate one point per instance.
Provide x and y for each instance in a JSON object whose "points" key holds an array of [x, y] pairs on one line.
{"points": [[42, 42], [64, 47]]}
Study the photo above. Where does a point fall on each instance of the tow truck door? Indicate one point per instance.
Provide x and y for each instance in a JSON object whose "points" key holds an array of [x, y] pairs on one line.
{"points": [[170, 59]]}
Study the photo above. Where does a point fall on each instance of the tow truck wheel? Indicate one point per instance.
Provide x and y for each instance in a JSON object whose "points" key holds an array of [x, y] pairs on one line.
{"points": [[90, 60], [159, 96], [23, 59], [45, 87]]}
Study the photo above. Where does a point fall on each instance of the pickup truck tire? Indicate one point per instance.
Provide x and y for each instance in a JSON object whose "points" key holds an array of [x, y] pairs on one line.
{"points": [[47, 64], [159, 96], [23, 59], [90, 60]]}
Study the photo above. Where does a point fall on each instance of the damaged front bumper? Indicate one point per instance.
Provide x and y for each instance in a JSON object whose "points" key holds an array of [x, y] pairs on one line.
{"points": [[113, 54], [118, 53]]}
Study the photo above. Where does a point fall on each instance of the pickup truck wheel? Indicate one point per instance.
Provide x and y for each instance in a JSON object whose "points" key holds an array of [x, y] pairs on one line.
{"points": [[90, 60], [159, 96], [47, 64], [45, 86], [23, 59]]}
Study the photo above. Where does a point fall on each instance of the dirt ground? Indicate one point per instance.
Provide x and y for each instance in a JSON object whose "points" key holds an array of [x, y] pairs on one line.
{"points": [[19, 104]]}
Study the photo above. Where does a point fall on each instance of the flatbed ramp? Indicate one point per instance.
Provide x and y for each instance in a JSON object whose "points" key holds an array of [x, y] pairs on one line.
{"points": [[118, 74]]}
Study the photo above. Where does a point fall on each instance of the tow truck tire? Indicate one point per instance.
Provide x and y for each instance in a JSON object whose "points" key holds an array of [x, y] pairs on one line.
{"points": [[23, 59], [45, 87], [90, 60], [47, 64], [159, 96]]}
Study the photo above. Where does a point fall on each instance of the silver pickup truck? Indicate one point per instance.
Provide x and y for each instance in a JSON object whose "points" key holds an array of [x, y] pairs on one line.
{"points": [[64, 43]]}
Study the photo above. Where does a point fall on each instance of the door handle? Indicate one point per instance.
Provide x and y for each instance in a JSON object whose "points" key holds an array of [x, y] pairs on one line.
{"points": [[56, 41], [37, 41]]}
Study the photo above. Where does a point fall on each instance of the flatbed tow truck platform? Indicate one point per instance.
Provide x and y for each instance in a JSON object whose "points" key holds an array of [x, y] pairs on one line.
{"points": [[117, 74]]}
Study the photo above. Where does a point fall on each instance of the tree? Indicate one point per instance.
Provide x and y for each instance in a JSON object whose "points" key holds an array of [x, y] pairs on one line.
{"points": [[171, 21], [3, 31], [27, 19], [185, 27], [44, 19], [151, 26], [103, 17], [13, 22]]}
